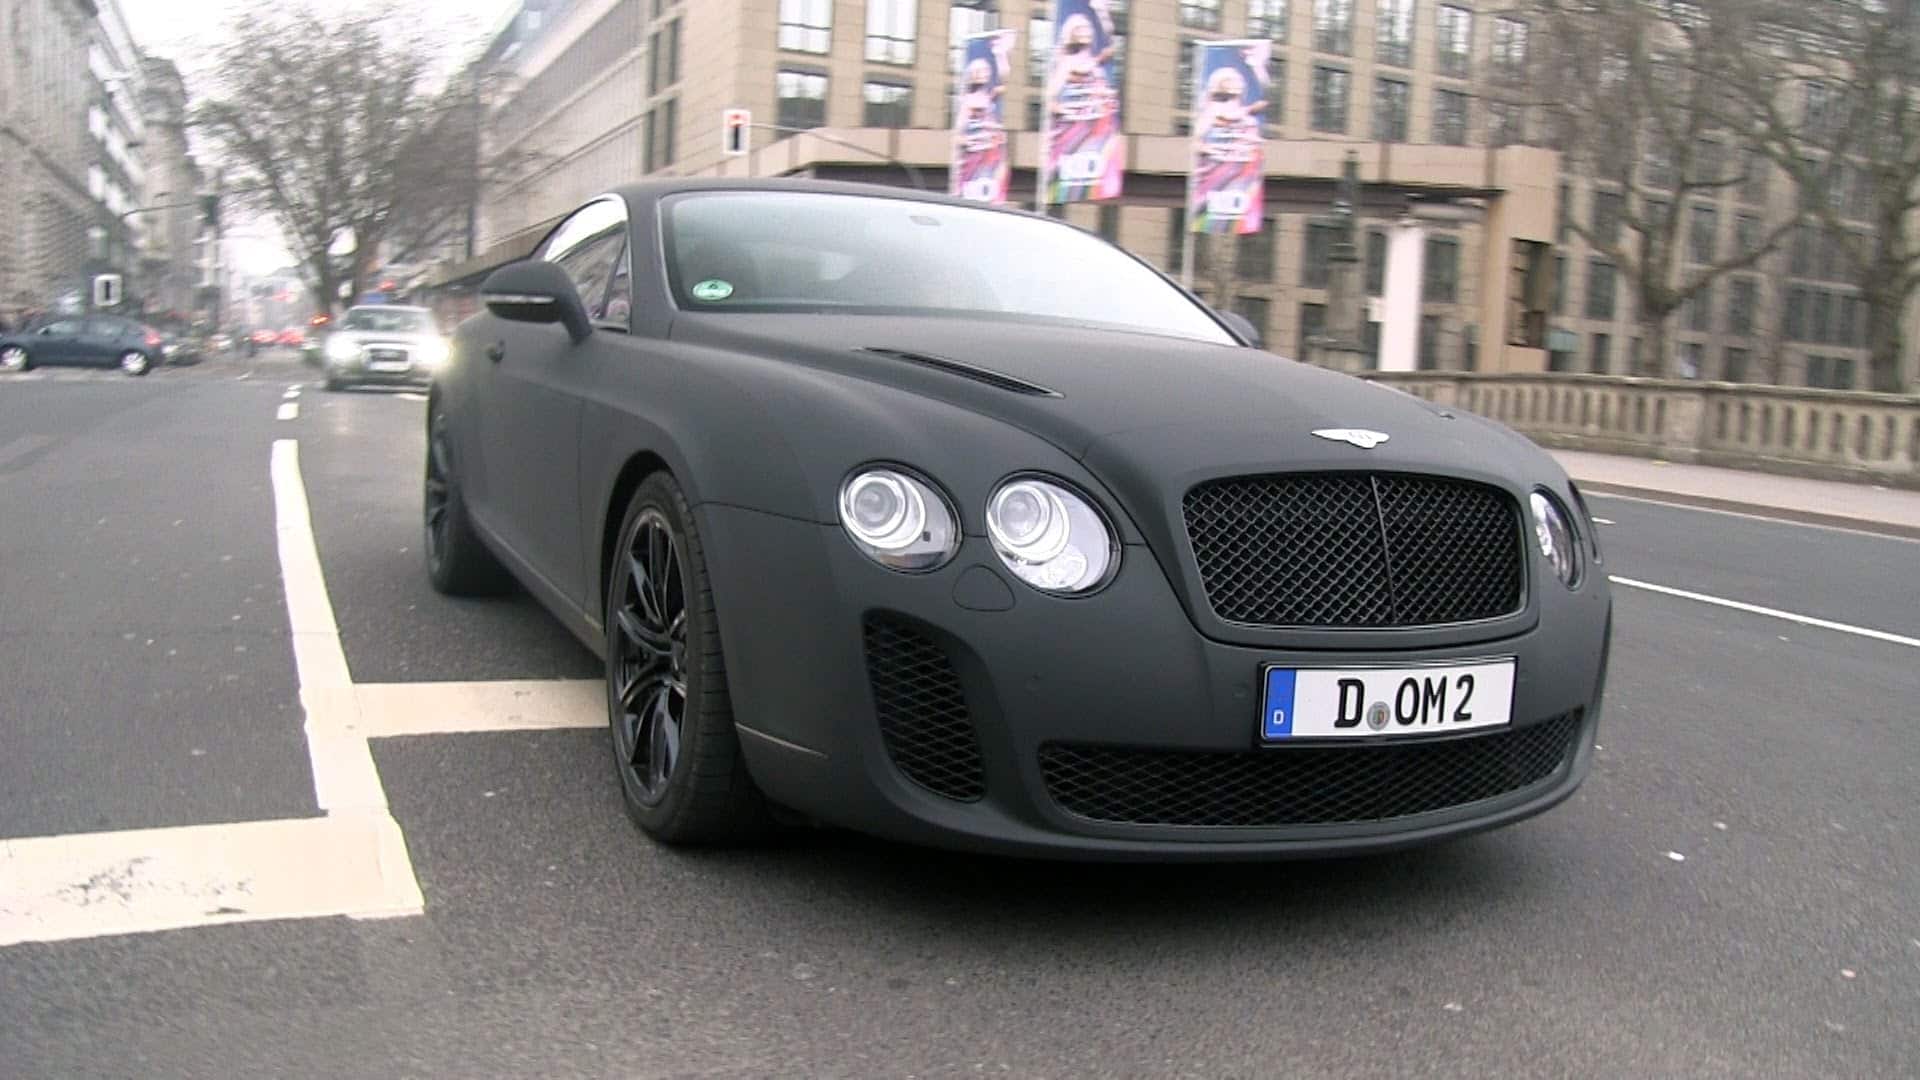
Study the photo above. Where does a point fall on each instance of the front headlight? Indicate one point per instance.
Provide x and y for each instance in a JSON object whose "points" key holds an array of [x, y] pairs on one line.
{"points": [[1554, 533], [898, 520], [1049, 536], [342, 349], [433, 353], [1586, 518]]}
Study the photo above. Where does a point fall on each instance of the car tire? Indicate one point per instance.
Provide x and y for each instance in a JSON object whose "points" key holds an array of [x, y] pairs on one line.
{"points": [[135, 363], [334, 385], [683, 780], [14, 359], [458, 562]]}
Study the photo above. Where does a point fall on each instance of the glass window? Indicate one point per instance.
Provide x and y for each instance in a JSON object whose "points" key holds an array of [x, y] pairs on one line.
{"points": [[1703, 234], [1177, 239], [1607, 207], [619, 309], [1253, 256], [1746, 233], [1389, 110], [1803, 257], [1110, 222], [889, 105], [1330, 100], [1453, 33], [803, 99], [1693, 357], [1743, 295], [648, 133], [1599, 289], [1183, 81], [1274, 116], [1393, 32], [1699, 314], [891, 28], [1200, 14], [1442, 284], [1254, 310], [1333, 26], [1267, 19], [1559, 302], [594, 219], [1734, 366], [1039, 48], [1376, 263], [1506, 123], [1429, 358], [669, 130], [1317, 254], [806, 25], [838, 255], [587, 246], [1602, 345], [1313, 323], [1450, 117], [1508, 56], [1795, 322]]}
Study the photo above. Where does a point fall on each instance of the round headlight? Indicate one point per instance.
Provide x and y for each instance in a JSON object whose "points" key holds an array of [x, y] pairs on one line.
{"points": [[433, 353], [1586, 517], [899, 521], [1554, 533], [1049, 536], [342, 349]]}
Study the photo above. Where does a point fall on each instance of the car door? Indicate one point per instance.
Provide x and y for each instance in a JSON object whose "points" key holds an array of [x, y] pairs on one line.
{"points": [[531, 404], [103, 340], [57, 342]]}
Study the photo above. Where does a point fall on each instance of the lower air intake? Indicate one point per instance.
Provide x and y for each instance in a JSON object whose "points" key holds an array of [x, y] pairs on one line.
{"points": [[922, 711]]}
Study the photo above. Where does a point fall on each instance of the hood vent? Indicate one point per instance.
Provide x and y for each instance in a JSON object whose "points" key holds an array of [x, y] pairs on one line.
{"points": [[971, 371]]}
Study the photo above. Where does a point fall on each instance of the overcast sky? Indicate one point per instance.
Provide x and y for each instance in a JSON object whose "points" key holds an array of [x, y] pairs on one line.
{"points": [[190, 33]]}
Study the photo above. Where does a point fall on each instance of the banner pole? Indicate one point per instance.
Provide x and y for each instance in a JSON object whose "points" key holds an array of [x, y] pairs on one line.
{"points": [[1187, 242], [1040, 159]]}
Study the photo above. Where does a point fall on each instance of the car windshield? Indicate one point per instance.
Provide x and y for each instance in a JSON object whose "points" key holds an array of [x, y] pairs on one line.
{"points": [[388, 321], [816, 252]]}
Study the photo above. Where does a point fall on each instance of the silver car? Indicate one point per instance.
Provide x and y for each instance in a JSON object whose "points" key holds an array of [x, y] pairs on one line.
{"points": [[383, 343]]}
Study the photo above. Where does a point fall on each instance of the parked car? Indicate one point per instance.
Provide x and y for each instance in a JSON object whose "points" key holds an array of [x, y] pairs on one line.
{"points": [[92, 340], [384, 343], [292, 336], [183, 349], [960, 525]]}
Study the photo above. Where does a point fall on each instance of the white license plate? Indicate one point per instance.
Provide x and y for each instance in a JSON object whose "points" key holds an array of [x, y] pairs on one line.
{"points": [[388, 365], [1358, 703]]}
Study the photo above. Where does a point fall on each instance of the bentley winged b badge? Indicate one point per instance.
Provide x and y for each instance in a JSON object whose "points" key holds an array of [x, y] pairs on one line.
{"points": [[1360, 437]]}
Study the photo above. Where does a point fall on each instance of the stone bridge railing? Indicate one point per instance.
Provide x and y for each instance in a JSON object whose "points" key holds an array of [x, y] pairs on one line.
{"points": [[1834, 434]]}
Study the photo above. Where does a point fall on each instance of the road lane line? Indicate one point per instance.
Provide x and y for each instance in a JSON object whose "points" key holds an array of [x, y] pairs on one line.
{"points": [[1878, 534], [291, 395], [1603, 521], [57, 888], [387, 710], [408, 395], [290, 410], [1774, 613]]}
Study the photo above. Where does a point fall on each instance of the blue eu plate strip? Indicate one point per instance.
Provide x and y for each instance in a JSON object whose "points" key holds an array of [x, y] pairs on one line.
{"points": [[1276, 714]]}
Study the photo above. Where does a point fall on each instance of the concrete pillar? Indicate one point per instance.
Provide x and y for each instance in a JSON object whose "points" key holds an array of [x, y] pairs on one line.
{"points": [[1400, 300]]}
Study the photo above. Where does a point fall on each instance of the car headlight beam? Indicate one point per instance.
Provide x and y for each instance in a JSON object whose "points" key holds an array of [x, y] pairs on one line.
{"points": [[898, 520], [1049, 536], [342, 349], [1553, 531], [433, 353]]}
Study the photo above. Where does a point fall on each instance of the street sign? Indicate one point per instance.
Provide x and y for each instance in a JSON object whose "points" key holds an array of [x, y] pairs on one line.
{"points": [[106, 290], [734, 125]]}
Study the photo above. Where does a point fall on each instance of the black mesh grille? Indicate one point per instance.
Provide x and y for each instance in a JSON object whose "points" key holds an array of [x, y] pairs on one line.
{"points": [[1355, 550], [923, 714], [1303, 785]]}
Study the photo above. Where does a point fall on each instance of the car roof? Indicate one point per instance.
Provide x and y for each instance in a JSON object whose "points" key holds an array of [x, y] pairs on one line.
{"points": [[643, 192]]}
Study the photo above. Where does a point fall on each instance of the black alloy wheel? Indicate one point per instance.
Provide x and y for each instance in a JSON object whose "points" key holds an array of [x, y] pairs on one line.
{"points": [[683, 778], [458, 562]]}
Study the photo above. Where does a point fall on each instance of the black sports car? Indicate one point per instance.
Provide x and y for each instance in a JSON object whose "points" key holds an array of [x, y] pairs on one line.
{"points": [[962, 526]]}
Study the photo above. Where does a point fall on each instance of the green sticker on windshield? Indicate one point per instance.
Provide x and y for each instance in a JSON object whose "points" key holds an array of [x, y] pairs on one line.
{"points": [[712, 289]]}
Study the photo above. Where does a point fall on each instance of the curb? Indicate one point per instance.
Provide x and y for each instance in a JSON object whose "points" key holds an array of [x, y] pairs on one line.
{"points": [[1779, 513]]}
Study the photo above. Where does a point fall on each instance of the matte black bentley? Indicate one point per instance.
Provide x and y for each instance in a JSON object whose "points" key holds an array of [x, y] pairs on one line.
{"points": [[960, 525]]}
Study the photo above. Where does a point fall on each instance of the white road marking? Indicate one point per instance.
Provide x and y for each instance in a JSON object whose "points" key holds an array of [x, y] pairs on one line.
{"points": [[386, 710], [408, 395], [289, 410], [1603, 521], [1749, 516], [1773, 613], [291, 394]]}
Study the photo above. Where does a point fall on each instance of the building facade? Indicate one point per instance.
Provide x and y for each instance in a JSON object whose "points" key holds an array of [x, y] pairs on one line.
{"points": [[1427, 93], [171, 271], [45, 90]]}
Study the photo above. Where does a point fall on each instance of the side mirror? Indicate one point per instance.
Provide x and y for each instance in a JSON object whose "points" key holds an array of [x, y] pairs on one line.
{"points": [[536, 292], [1244, 327]]}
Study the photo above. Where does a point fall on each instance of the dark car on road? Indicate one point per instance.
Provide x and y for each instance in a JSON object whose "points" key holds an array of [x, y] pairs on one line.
{"points": [[92, 340], [962, 526]]}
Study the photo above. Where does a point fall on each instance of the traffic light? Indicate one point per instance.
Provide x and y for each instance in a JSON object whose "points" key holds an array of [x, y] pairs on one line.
{"points": [[734, 124]]}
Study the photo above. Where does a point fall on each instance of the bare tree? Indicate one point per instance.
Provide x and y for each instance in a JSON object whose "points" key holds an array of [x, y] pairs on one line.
{"points": [[1633, 89], [332, 121], [1829, 90]]}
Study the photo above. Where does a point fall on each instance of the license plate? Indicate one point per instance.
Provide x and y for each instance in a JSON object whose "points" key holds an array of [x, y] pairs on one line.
{"points": [[1358, 703], [388, 365]]}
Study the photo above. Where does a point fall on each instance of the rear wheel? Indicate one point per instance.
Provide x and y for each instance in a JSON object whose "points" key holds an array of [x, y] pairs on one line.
{"points": [[135, 362], [682, 776], [14, 358], [458, 562]]}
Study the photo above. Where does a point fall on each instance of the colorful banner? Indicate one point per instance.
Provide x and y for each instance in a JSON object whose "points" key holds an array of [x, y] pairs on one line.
{"points": [[1227, 189], [1085, 152], [981, 165]]}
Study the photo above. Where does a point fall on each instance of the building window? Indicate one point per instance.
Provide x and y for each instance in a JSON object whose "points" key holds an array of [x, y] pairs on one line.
{"points": [[649, 131], [1607, 207], [1699, 309], [1267, 19], [1743, 296], [663, 58], [1389, 110], [1453, 39], [1313, 323], [1254, 310], [1429, 358], [1333, 26], [1753, 179], [1602, 344], [1563, 214], [1316, 254], [1559, 301], [1703, 230], [1253, 257], [669, 131], [1506, 123], [1274, 116], [1599, 289], [1746, 233], [891, 29], [1330, 100], [1806, 242], [1794, 326], [1183, 84], [1177, 240], [1393, 32], [802, 99], [1442, 284], [889, 105], [1693, 357], [806, 25], [1376, 262], [1508, 57], [1450, 117], [1110, 222], [1200, 14], [1733, 365], [1039, 48]]}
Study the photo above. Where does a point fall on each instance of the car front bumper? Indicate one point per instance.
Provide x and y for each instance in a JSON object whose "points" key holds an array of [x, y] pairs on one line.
{"points": [[1119, 686], [358, 372]]}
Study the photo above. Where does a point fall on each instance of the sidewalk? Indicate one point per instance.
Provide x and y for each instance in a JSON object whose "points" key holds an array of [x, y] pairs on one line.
{"points": [[1820, 502]]}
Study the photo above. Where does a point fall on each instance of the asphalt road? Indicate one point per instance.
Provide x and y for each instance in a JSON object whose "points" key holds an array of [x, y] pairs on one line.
{"points": [[147, 679]]}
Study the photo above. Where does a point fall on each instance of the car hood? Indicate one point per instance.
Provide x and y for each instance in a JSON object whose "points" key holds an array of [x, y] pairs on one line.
{"points": [[1144, 411]]}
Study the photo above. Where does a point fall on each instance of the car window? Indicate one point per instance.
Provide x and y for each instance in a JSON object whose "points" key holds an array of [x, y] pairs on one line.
{"points": [[388, 321], [590, 265], [106, 328], [620, 290], [62, 328], [816, 252]]}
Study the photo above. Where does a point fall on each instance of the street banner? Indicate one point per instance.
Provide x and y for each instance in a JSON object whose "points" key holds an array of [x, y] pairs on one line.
{"points": [[981, 165], [1085, 152], [1226, 186]]}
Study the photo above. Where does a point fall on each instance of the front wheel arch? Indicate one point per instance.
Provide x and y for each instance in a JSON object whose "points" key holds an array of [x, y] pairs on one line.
{"points": [[632, 474]]}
